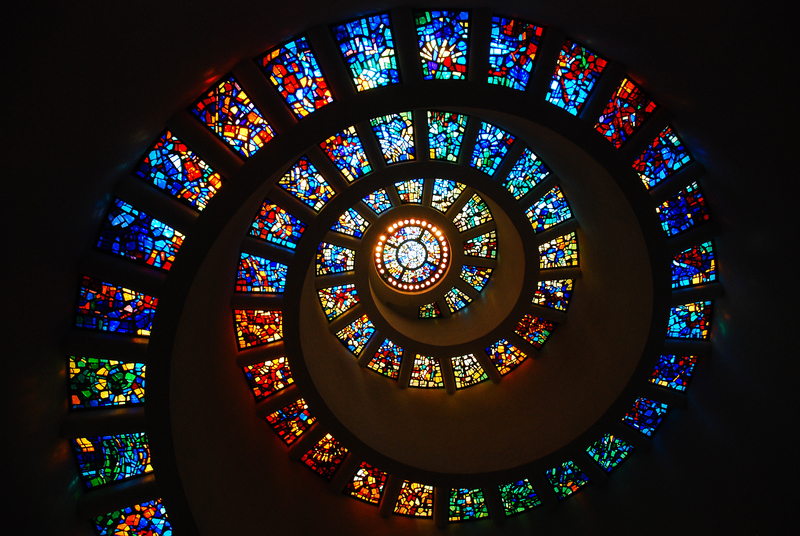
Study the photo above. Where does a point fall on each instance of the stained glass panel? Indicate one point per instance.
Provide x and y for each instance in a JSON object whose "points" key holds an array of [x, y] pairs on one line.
{"points": [[484, 245], [427, 372], [445, 193], [476, 277], [467, 371], [106, 307], [535, 330], [505, 356], [512, 52], [684, 211], [674, 371], [491, 147], [275, 225], [554, 294], [609, 451], [445, 133], [645, 415], [566, 479], [268, 377], [560, 252], [254, 328], [337, 300], [333, 259], [690, 321], [351, 223], [410, 191], [292, 421], [429, 310], [378, 201], [415, 500], [305, 183], [665, 156], [443, 43], [367, 484], [256, 274], [526, 173], [548, 211], [576, 73], [466, 504], [324, 457], [106, 459], [395, 133], [145, 519], [694, 266], [628, 108], [472, 214], [356, 335], [346, 151], [368, 48], [518, 497], [102, 382], [387, 359], [456, 299]]}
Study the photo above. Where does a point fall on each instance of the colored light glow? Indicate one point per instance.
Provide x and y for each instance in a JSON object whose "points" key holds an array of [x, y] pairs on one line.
{"points": [[412, 255]]}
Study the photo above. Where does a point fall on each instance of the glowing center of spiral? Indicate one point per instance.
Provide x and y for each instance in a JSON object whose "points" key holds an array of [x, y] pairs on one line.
{"points": [[412, 255]]}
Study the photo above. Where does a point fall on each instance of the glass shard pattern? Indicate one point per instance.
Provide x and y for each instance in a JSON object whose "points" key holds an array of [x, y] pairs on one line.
{"points": [[429, 310], [694, 266], [445, 193], [256, 274], [368, 49], [410, 191], [443, 43], [475, 276], [512, 52], [456, 299], [548, 211], [415, 255], [484, 246], [427, 373], [145, 519], [554, 294], [690, 321], [395, 133], [367, 484], [445, 134], [387, 359], [106, 459], [292, 421], [305, 183], [95, 383], [505, 356], [415, 500], [674, 371], [254, 328], [337, 300], [467, 371], [472, 214], [345, 150], [628, 108], [107, 307], [609, 451], [227, 111], [275, 225], [324, 457], [561, 252], [268, 377], [566, 479], [665, 156], [491, 147], [466, 504], [333, 259], [645, 415], [684, 211], [526, 173], [293, 70], [174, 168], [378, 201], [535, 330], [356, 335], [518, 497], [576, 73], [351, 223]]}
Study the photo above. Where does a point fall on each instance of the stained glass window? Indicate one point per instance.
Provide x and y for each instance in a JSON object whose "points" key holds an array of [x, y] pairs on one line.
{"points": [[445, 193], [535, 330], [346, 151], [694, 266], [472, 214], [171, 166], [112, 458], [410, 191], [427, 372], [665, 156], [293, 70], [467, 371], [102, 382], [337, 300], [550, 210], [268, 377], [107, 307], [526, 173], [609, 451], [368, 48], [414, 256], [566, 479], [684, 211], [146, 519], [484, 245], [333, 259], [628, 108], [554, 294], [367, 484], [256, 274], [466, 504], [254, 328], [518, 497], [275, 225], [227, 111], [576, 73], [456, 299], [491, 147], [476, 277], [645, 415], [674, 371], [378, 201], [356, 335], [324, 457], [351, 223], [415, 500], [292, 421], [512, 52], [443, 43], [690, 321], [395, 133], [505, 356], [429, 310], [560, 252], [387, 359], [305, 183], [445, 133]]}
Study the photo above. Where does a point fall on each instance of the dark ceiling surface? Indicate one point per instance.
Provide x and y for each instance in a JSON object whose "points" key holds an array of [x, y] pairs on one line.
{"points": [[94, 84]]}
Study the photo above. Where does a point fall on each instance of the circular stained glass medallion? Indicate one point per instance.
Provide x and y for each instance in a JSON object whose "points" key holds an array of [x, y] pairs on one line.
{"points": [[413, 255]]}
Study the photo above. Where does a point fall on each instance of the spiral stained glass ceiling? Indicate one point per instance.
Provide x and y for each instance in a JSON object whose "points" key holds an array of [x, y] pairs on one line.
{"points": [[403, 267]]}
